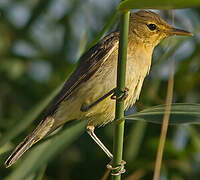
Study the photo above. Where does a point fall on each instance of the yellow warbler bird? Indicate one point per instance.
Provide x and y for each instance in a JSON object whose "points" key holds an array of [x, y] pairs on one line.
{"points": [[89, 92]]}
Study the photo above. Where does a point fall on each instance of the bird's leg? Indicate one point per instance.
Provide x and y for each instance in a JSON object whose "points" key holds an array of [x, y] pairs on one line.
{"points": [[90, 131], [85, 108], [120, 169], [122, 97]]}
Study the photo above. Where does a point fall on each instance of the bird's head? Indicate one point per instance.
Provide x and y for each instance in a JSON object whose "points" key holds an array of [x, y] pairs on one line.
{"points": [[151, 28]]}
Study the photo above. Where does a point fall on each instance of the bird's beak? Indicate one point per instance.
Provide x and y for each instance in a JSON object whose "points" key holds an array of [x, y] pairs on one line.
{"points": [[174, 31]]}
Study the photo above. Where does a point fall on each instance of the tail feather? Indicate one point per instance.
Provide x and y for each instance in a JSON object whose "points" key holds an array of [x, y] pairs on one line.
{"points": [[41, 130], [20, 150]]}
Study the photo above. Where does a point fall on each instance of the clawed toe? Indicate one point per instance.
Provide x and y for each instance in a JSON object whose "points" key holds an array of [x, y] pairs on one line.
{"points": [[118, 169], [122, 97]]}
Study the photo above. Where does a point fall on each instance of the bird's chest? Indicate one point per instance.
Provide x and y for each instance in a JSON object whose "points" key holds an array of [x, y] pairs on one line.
{"points": [[138, 66]]}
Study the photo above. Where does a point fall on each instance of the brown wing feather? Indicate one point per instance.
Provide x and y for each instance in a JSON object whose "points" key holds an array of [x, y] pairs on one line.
{"points": [[88, 65]]}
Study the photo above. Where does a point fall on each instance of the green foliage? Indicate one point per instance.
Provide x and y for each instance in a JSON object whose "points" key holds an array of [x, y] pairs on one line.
{"points": [[156, 4], [182, 113], [42, 153], [28, 119], [38, 51]]}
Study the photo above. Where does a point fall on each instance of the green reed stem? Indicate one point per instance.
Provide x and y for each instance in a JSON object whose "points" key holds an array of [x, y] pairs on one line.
{"points": [[121, 76]]}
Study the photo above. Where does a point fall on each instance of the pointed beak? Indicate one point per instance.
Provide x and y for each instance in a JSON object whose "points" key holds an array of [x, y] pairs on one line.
{"points": [[179, 32]]}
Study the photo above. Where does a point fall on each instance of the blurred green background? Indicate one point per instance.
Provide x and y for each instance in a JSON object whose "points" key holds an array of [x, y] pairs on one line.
{"points": [[40, 44]]}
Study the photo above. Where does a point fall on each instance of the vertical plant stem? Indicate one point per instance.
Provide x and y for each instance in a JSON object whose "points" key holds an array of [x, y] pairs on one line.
{"points": [[121, 76]]}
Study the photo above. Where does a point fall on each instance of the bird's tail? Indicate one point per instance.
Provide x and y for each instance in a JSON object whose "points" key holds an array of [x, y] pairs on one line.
{"points": [[41, 130]]}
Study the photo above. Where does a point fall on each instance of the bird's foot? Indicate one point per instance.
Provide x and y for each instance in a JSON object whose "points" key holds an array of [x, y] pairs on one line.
{"points": [[123, 96], [118, 169]]}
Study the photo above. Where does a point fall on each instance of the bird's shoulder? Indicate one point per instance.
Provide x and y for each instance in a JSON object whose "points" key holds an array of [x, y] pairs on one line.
{"points": [[98, 51], [87, 66]]}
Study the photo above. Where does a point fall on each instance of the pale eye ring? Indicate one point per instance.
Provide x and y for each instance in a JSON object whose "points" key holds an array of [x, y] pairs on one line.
{"points": [[152, 27]]}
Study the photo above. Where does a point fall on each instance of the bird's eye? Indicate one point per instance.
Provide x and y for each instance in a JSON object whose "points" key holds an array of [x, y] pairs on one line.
{"points": [[152, 27]]}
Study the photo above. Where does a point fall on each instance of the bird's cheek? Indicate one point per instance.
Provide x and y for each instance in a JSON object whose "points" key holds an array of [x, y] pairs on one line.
{"points": [[162, 36]]}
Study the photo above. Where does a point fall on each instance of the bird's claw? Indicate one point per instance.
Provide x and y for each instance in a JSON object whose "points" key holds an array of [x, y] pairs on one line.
{"points": [[118, 169], [123, 96]]}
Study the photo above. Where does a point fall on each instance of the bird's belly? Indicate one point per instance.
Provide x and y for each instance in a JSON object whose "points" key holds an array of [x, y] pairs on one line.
{"points": [[87, 93], [100, 114], [97, 86]]}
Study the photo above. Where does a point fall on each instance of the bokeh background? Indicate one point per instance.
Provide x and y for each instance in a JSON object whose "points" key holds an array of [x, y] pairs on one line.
{"points": [[40, 44]]}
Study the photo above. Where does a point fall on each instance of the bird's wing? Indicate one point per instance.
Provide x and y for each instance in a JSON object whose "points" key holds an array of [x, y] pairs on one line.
{"points": [[88, 65]]}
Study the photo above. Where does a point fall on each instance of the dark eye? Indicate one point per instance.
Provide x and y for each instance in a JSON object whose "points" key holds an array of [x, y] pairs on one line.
{"points": [[152, 27]]}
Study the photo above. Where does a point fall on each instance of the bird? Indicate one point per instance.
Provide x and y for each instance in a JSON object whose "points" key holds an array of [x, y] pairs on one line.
{"points": [[89, 93]]}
